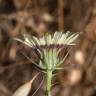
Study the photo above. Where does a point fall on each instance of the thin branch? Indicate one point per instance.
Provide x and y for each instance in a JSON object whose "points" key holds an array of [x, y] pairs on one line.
{"points": [[61, 15]]}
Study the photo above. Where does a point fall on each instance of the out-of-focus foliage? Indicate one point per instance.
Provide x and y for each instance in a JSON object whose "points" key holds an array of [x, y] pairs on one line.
{"points": [[37, 17]]}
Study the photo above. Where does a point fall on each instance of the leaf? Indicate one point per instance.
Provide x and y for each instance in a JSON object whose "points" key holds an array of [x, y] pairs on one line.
{"points": [[25, 89]]}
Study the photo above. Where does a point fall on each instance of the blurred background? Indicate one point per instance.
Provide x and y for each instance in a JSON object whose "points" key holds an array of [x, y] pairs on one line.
{"points": [[36, 17]]}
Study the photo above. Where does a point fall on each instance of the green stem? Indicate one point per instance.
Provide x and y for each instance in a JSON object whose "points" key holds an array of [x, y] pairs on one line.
{"points": [[48, 83]]}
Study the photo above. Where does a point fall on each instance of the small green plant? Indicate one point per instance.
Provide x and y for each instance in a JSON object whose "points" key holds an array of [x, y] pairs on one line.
{"points": [[48, 48]]}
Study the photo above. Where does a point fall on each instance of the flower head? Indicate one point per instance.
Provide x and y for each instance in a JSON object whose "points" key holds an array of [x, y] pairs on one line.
{"points": [[49, 46], [58, 38]]}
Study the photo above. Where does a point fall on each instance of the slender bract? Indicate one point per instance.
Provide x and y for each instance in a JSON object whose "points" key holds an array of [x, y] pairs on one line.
{"points": [[48, 48], [25, 88]]}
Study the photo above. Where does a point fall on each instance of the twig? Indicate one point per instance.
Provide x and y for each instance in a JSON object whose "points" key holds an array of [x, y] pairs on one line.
{"points": [[61, 15]]}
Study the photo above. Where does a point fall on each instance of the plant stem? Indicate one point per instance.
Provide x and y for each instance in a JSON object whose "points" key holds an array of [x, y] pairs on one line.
{"points": [[48, 83]]}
